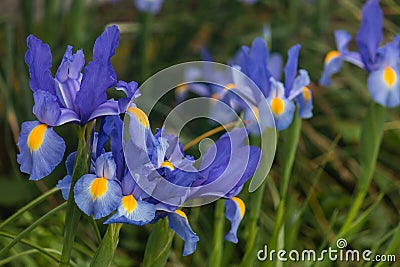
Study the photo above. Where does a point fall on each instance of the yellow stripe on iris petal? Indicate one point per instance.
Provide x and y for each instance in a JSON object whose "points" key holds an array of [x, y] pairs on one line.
{"points": [[140, 115], [182, 214], [331, 55], [389, 76], [168, 164], [241, 205], [229, 86], [306, 93], [36, 136], [129, 203], [98, 187], [277, 106]]}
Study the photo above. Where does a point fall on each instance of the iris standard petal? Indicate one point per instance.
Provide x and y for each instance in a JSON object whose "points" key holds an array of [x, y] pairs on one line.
{"points": [[178, 222], [235, 209], [291, 67], [106, 44], [71, 65], [46, 108], [97, 196], [370, 33], [133, 211], [41, 149], [274, 65], [384, 86], [99, 74], [96, 80], [39, 59], [105, 166]]}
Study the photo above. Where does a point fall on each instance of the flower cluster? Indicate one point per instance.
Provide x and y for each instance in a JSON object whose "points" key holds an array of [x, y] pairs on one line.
{"points": [[381, 63], [265, 71], [138, 178]]}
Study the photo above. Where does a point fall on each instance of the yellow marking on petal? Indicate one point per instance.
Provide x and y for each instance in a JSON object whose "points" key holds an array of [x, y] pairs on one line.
{"points": [[181, 88], [35, 138], [140, 115], [98, 187], [256, 113], [389, 76], [216, 96], [182, 214], [306, 93], [129, 203], [229, 86], [168, 164], [241, 205], [331, 55], [277, 106]]}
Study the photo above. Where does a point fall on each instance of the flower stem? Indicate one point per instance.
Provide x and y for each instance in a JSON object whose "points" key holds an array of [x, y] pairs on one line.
{"points": [[370, 141], [73, 212], [105, 252], [218, 239], [289, 148]]}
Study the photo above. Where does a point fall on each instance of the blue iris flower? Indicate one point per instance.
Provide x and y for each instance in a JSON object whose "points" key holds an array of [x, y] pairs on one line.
{"points": [[224, 175], [280, 96], [69, 97], [382, 63], [151, 6]]}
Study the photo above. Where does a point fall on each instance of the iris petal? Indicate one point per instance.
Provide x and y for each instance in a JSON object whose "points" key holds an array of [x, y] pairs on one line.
{"points": [[42, 153], [291, 68], [46, 108], [39, 59], [178, 222], [133, 211], [98, 202], [304, 101], [385, 90], [235, 210], [331, 67], [370, 33]]}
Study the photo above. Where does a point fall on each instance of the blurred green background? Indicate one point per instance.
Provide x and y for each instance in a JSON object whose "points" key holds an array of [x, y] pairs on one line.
{"points": [[325, 170]]}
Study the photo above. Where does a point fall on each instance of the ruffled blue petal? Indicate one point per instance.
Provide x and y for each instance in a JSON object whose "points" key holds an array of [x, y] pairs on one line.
{"points": [[133, 211], [383, 92], [39, 59], [370, 33], [131, 91], [235, 210], [98, 202], [46, 108], [342, 39], [105, 45], [152, 7], [42, 153], [291, 68], [99, 75], [178, 222], [108, 108]]}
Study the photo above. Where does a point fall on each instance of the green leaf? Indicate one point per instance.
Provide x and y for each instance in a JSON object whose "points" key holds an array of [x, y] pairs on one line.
{"points": [[158, 245], [105, 252]]}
